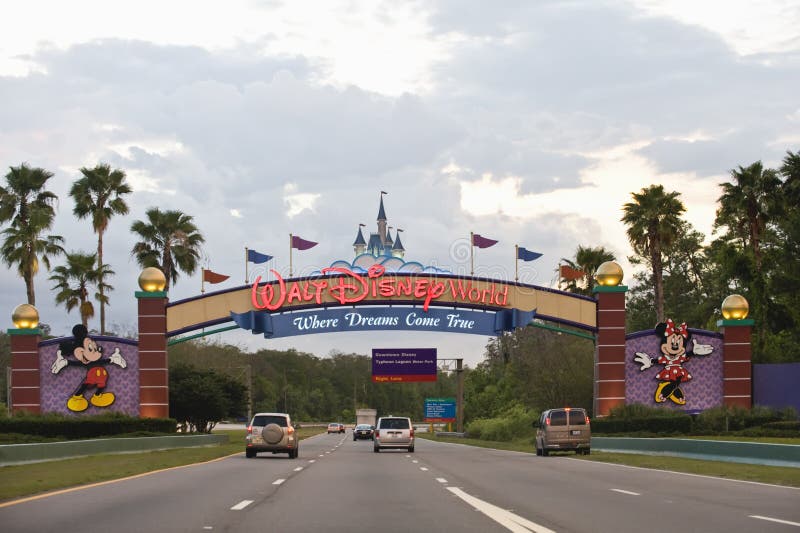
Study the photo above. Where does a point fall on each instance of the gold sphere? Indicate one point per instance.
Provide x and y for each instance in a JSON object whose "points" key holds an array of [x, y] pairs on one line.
{"points": [[25, 316], [735, 307], [608, 274], [152, 280]]}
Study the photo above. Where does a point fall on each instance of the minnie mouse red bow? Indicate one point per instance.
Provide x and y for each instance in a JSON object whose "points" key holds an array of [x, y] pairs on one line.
{"points": [[672, 330]]}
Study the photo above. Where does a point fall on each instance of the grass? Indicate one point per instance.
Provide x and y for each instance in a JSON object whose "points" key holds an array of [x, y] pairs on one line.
{"points": [[18, 481], [776, 475]]}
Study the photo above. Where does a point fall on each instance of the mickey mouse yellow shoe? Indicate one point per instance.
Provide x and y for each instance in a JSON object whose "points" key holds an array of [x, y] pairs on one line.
{"points": [[104, 399], [77, 403]]}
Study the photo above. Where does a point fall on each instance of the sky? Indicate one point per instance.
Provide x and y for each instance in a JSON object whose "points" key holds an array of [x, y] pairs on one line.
{"points": [[526, 122]]}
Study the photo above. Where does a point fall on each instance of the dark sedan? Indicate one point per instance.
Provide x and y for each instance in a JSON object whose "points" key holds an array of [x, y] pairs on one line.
{"points": [[363, 431]]}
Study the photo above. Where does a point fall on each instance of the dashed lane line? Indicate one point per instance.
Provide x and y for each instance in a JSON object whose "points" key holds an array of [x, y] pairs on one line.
{"points": [[777, 520], [626, 492], [278, 481], [241, 505], [441, 480]]}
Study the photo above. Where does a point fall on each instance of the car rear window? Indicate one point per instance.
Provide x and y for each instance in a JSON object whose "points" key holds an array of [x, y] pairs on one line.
{"points": [[395, 423], [265, 420], [558, 418], [577, 417]]}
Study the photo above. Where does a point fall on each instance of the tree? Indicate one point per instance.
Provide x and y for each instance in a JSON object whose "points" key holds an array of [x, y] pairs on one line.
{"points": [[99, 194], [653, 219], [199, 398], [26, 204], [74, 280], [587, 260], [746, 205], [170, 241]]}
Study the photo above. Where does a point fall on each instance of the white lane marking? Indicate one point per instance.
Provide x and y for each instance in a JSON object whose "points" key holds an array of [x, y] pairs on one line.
{"points": [[768, 519], [208, 527], [241, 505], [322, 455], [626, 492], [441, 480], [423, 469], [312, 461], [278, 481], [415, 461], [507, 519], [408, 456], [299, 468]]}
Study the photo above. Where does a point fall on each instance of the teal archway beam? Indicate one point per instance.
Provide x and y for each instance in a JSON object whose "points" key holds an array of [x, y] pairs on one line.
{"points": [[198, 335], [580, 334]]}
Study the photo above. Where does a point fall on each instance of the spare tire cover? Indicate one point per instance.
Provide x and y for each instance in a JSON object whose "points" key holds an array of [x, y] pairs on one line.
{"points": [[272, 433]]}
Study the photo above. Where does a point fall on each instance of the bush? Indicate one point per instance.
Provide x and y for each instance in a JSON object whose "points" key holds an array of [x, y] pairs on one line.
{"points": [[84, 427], [514, 423]]}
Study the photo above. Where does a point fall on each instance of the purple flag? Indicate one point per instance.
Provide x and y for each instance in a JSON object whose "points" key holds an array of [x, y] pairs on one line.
{"points": [[302, 244], [482, 242]]}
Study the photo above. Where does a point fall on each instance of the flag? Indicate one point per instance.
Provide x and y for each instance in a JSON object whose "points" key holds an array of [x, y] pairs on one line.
{"points": [[302, 244], [527, 255], [568, 273], [213, 277], [482, 242], [257, 258]]}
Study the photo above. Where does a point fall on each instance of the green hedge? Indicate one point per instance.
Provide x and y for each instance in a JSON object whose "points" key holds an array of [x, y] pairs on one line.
{"points": [[84, 427]]}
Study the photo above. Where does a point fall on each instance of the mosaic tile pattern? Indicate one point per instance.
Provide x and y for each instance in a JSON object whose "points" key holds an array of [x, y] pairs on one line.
{"points": [[56, 389], [702, 392]]}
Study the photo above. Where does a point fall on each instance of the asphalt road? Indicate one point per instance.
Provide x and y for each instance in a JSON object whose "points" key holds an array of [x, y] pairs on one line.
{"points": [[340, 485]]}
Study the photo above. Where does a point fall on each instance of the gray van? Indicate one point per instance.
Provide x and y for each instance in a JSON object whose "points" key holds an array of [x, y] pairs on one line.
{"points": [[563, 429]]}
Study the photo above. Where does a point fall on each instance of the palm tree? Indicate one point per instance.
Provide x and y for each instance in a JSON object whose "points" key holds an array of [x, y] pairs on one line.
{"points": [[73, 281], [746, 204], [587, 260], [654, 220], [99, 194], [26, 204], [170, 241]]}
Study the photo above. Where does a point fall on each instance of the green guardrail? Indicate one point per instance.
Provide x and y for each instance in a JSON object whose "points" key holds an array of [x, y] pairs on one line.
{"points": [[50, 451], [710, 450]]}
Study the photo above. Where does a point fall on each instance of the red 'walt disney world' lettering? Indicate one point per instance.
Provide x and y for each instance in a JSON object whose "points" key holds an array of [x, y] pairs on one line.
{"points": [[349, 288]]}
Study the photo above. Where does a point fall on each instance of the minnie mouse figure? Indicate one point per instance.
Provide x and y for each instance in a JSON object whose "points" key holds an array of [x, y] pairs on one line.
{"points": [[675, 350], [87, 352]]}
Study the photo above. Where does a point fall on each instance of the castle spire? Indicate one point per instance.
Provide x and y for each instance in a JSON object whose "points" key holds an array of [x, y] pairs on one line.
{"points": [[359, 245], [382, 221]]}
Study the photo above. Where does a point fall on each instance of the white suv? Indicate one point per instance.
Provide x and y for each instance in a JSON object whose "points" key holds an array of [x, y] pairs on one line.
{"points": [[271, 432], [394, 432]]}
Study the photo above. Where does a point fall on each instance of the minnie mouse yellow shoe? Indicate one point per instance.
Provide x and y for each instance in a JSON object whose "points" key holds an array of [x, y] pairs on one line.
{"points": [[658, 396]]}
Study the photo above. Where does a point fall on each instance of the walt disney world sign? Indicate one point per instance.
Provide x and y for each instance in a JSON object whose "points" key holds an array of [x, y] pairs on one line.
{"points": [[340, 299], [347, 288]]}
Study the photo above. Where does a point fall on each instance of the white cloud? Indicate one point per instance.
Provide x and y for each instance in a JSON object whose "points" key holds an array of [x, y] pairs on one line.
{"points": [[297, 202]]}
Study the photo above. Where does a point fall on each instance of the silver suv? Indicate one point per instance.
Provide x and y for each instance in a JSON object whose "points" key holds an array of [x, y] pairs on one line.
{"points": [[394, 432], [271, 432]]}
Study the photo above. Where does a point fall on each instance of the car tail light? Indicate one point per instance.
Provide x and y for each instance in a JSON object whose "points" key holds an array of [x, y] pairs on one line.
{"points": [[412, 432], [547, 421], [377, 433], [587, 420], [290, 430], [249, 430]]}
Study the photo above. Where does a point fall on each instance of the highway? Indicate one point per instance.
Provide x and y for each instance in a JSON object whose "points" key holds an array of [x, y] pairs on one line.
{"points": [[339, 485]]}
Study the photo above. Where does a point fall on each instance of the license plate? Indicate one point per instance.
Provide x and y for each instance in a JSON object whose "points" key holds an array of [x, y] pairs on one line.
{"points": [[576, 431]]}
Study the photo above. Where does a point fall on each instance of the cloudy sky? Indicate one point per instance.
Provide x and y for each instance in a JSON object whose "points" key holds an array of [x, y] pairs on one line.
{"points": [[528, 122]]}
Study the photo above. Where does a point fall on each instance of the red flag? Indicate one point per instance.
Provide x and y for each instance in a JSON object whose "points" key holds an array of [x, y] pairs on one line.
{"points": [[213, 277], [302, 244], [568, 273], [482, 242]]}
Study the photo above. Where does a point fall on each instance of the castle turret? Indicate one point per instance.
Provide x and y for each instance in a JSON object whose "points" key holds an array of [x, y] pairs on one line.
{"points": [[359, 245], [397, 248], [382, 221]]}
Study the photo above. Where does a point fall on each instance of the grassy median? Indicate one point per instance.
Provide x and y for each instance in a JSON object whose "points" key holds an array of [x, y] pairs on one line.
{"points": [[29, 479], [776, 475]]}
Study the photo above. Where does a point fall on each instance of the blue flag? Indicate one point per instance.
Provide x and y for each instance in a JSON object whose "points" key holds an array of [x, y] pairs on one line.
{"points": [[527, 255], [255, 257]]}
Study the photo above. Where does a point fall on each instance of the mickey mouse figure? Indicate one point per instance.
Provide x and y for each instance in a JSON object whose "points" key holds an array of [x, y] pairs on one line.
{"points": [[675, 351], [87, 352]]}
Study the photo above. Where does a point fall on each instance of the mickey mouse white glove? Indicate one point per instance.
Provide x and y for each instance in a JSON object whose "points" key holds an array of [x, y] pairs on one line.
{"points": [[59, 363], [117, 359]]}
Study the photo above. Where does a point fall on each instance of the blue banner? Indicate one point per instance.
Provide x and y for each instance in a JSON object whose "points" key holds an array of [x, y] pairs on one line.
{"points": [[440, 409], [447, 320]]}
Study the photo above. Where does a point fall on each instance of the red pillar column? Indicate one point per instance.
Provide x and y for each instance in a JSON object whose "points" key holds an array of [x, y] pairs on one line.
{"points": [[153, 368], [737, 362], [609, 354], [25, 370]]}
